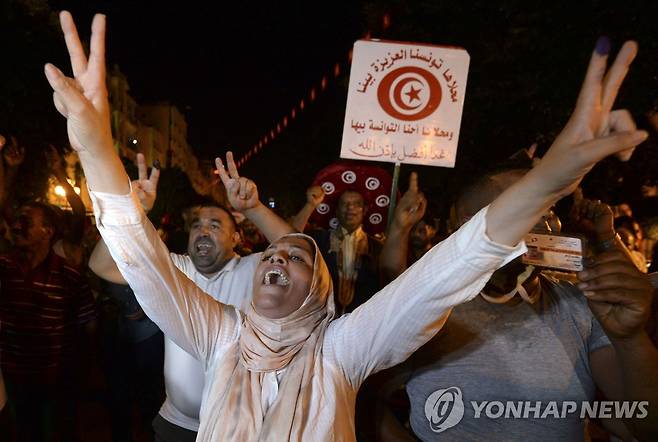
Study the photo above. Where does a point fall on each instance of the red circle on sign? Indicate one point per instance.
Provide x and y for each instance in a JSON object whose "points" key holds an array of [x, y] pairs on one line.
{"points": [[384, 93]]}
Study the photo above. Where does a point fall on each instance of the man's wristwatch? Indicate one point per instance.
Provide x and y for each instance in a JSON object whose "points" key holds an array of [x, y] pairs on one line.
{"points": [[609, 243]]}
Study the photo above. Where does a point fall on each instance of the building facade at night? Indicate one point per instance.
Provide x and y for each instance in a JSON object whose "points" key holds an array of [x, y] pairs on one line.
{"points": [[159, 131]]}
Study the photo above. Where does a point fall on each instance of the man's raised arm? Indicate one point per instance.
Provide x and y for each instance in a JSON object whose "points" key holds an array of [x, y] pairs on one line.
{"points": [[243, 195], [409, 211], [146, 189]]}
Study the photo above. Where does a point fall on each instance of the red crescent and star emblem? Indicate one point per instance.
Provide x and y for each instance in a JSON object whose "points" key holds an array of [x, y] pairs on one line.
{"points": [[409, 93]]}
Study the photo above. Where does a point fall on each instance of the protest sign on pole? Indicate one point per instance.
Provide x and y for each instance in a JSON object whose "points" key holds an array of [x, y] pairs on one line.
{"points": [[404, 103]]}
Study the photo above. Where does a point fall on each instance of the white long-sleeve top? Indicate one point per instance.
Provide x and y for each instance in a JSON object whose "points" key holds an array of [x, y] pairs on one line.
{"points": [[379, 334], [184, 375]]}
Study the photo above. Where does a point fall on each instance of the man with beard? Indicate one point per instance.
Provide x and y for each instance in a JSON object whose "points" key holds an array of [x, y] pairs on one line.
{"points": [[213, 265], [546, 344], [45, 307]]}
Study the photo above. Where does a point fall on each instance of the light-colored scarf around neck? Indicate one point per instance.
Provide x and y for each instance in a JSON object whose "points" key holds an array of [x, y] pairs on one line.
{"points": [[266, 345]]}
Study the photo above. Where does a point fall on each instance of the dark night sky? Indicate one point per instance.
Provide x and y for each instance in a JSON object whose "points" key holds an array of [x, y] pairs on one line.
{"points": [[233, 68], [236, 68]]}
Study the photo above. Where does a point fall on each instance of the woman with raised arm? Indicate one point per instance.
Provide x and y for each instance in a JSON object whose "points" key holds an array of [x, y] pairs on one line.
{"points": [[286, 369]]}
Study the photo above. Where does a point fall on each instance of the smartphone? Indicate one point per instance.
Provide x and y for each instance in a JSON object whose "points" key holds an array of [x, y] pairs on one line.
{"points": [[555, 251]]}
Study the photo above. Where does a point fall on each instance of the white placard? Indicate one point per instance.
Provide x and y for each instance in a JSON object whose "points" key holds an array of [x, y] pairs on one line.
{"points": [[554, 251], [404, 103]]}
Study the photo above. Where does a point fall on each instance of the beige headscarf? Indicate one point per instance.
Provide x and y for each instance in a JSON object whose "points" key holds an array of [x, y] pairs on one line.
{"points": [[266, 345]]}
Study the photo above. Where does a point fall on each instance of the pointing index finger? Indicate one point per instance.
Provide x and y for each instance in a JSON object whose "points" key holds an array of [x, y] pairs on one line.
{"points": [[413, 182]]}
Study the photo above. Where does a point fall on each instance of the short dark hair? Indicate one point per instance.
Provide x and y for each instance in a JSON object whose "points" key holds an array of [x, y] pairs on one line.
{"points": [[212, 204], [51, 217], [353, 190]]}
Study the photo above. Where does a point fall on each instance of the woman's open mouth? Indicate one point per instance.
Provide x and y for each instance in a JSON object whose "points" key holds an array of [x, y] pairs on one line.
{"points": [[276, 277]]}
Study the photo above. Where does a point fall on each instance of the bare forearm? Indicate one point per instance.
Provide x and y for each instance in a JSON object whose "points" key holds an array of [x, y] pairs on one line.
{"points": [[616, 243], [515, 212], [299, 221], [103, 265], [268, 222], [393, 258], [638, 361], [77, 206], [76, 231]]}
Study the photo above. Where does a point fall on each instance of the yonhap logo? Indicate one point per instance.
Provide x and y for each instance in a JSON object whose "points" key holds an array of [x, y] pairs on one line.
{"points": [[444, 409]]}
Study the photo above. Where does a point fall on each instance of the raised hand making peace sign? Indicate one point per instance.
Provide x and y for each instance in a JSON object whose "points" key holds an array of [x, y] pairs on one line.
{"points": [[594, 130], [145, 186], [242, 192], [83, 98]]}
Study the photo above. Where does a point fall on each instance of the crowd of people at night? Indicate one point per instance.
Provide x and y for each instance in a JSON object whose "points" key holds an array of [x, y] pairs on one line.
{"points": [[268, 327]]}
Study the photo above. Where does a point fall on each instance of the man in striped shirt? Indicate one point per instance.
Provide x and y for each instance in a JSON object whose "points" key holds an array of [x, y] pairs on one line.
{"points": [[45, 305]]}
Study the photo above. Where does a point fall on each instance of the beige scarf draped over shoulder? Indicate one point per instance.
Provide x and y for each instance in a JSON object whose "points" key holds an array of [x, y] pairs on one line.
{"points": [[293, 343]]}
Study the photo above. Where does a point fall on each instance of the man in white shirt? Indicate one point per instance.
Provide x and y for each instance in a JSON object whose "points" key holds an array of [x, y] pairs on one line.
{"points": [[212, 264]]}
